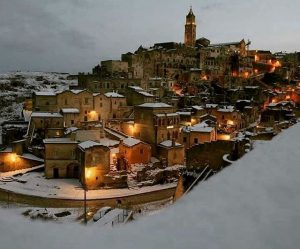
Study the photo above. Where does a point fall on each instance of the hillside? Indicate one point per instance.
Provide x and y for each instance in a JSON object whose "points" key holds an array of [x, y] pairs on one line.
{"points": [[16, 86]]}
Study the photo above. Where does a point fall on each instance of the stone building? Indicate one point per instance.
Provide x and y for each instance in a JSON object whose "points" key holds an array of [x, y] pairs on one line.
{"points": [[44, 101], [134, 151], [82, 100], [171, 153], [46, 124], [163, 61], [137, 96], [94, 160], [155, 123], [110, 105], [99, 84], [228, 118], [71, 117], [198, 133], [114, 67], [60, 158]]}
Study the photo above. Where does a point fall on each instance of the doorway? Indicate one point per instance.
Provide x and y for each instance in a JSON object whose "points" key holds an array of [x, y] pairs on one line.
{"points": [[55, 173]]}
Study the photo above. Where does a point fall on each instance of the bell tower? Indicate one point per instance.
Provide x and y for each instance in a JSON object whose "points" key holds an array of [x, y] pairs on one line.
{"points": [[190, 29]]}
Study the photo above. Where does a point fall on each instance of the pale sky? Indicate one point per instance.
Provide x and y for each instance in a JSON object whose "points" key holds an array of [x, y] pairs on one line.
{"points": [[75, 35]]}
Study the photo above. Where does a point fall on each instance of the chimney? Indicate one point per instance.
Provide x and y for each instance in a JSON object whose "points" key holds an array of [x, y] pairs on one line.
{"points": [[173, 142]]}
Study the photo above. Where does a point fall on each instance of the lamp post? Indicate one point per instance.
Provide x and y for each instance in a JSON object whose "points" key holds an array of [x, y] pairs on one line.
{"points": [[84, 189]]}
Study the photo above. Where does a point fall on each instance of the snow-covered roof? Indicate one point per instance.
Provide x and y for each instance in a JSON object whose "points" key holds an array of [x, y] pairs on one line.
{"points": [[108, 142], [211, 105], [251, 87], [77, 91], [136, 88], [71, 129], [70, 110], [155, 105], [146, 94], [49, 93], [59, 141], [226, 109], [168, 143], [197, 107], [173, 114], [207, 115], [194, 69], [184, 113], [243, 100], [46, 115], [88, 144], [201, 128], [113, 95], [130, 141]]}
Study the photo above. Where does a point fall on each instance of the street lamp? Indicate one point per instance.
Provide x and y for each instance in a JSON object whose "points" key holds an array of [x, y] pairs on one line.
{"points": [[87, 174]]}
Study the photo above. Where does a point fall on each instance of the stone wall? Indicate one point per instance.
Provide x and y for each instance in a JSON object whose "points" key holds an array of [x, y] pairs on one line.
{"points": [[212, 154], [10, 162]]}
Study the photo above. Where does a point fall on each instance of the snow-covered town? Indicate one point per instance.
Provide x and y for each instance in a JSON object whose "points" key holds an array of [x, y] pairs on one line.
{"points": [[185, 144]]}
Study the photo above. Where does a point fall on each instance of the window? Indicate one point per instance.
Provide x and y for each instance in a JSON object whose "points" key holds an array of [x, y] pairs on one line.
{"points": [[184, 139], [100, 104], [72, 121], [196, 140], [175, 155], [141, 151], [86, 101], [66, 101], [73, 154]]}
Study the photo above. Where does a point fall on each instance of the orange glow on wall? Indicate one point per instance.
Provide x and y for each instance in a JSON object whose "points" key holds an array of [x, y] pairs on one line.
{"points": [[277, 64], [230, 122], [234, 74], [88, 173]]}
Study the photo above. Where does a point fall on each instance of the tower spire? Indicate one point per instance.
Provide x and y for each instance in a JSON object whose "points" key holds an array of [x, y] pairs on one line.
{"points": [[190, 29]]}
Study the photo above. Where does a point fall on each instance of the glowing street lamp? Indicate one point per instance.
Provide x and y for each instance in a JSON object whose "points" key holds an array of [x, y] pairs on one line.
{"points": [[13, 157], [87, 175]]}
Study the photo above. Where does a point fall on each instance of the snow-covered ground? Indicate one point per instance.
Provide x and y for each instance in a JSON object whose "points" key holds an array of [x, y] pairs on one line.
{"points": [[255, 203], [36, 184]]}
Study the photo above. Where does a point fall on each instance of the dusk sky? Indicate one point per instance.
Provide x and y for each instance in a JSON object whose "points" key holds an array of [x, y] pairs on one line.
{"points": [[75, 35]]}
